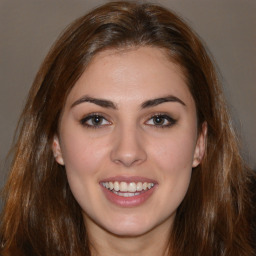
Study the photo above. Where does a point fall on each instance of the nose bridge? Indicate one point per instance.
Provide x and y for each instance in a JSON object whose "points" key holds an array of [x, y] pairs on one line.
{"points": [[128, 147]]}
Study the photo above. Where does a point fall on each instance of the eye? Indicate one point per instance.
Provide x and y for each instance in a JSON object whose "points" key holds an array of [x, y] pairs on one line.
{"points": [[94, 121], [161, 121]]}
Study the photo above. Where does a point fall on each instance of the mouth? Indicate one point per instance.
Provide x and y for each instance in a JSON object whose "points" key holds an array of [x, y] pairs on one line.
{"points": [[128, 193], [126, 189]]}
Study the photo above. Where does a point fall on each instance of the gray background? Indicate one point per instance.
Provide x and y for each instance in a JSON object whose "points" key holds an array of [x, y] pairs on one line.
{"points": [[28, 28]]}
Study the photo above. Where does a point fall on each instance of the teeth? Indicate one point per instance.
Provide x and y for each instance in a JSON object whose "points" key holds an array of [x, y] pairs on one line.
{"points": [[111, 186], [126, 194], [139, 186], [116, 186], [130, 188], [123, 186]]}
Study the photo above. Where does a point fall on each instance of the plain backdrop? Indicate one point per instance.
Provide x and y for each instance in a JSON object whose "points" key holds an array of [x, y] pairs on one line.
{"points": [[228, 27]]}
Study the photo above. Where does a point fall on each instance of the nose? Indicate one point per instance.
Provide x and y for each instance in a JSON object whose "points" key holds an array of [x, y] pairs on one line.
{"points": [[128, 147]]}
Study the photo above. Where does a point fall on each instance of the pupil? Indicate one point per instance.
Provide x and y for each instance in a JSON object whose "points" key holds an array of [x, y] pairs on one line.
{"points": [[158, 120], [96, 120]]}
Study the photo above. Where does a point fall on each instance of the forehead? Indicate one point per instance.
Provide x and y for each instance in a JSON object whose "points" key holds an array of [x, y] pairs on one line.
{"points": [[124, 75]]}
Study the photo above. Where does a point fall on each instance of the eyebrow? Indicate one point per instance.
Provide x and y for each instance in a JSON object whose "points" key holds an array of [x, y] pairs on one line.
{"points": [[157, 101], [109, 104], [100, 102]]}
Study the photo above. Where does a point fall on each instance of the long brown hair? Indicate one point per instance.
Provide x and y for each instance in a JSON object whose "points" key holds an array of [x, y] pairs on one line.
{"points": [[41, 216]]}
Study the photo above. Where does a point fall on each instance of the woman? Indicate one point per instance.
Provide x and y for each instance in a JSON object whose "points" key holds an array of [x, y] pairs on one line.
{"points": [[125, 146]]}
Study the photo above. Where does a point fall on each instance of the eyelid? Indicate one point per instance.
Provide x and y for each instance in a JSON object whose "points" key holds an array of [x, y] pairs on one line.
{"points": [[168, 117], [89, 116], [170, 120]]}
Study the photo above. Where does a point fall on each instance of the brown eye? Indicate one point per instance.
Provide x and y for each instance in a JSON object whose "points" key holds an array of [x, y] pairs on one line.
{"points": [[161, 121], [94, 121]]}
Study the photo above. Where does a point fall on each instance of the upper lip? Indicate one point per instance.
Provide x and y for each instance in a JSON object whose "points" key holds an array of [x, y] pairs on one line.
{"points": [[129, 179]]}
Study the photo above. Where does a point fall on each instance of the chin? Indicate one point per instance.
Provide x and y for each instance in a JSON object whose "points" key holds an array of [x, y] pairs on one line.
{"points": [[128, 231], [130, 227]]}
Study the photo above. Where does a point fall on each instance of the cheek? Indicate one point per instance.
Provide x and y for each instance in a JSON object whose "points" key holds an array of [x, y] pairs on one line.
{"points": [[174, 158], [81, 154], [176, 164], [175, 153], [83, 161]]}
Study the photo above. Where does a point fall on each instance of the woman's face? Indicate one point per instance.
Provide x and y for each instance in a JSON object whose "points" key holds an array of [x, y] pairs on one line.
{"points": [[128, 139]]}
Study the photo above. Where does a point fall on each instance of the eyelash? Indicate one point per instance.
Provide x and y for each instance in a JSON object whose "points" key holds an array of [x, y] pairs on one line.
{"points": [[84, 121], [167, 118]]}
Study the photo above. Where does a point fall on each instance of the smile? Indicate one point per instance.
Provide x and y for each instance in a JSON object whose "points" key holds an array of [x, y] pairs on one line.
{"points": [[128, 189]]}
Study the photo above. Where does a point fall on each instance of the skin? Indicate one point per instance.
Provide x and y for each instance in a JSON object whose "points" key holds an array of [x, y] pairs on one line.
{"points": [[129, 143]]}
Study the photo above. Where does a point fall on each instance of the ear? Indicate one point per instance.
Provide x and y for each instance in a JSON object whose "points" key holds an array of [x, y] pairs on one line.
{"points": [[57, 151], [200, 146]]}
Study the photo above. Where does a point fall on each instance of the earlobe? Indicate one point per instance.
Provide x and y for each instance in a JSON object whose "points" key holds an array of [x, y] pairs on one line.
{"points": [[57, 151], [200, 146]]}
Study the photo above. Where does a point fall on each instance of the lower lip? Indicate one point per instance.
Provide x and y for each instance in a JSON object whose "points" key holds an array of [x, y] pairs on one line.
{"points": [[128, 201]]}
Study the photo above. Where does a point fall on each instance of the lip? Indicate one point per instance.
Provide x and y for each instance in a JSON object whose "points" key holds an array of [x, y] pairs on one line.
{"points": [[128, 201]]}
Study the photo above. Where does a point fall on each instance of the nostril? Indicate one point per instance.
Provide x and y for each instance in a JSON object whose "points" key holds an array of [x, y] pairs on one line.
{"points": [[128, 157], [128, 147], [127, 161]]}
